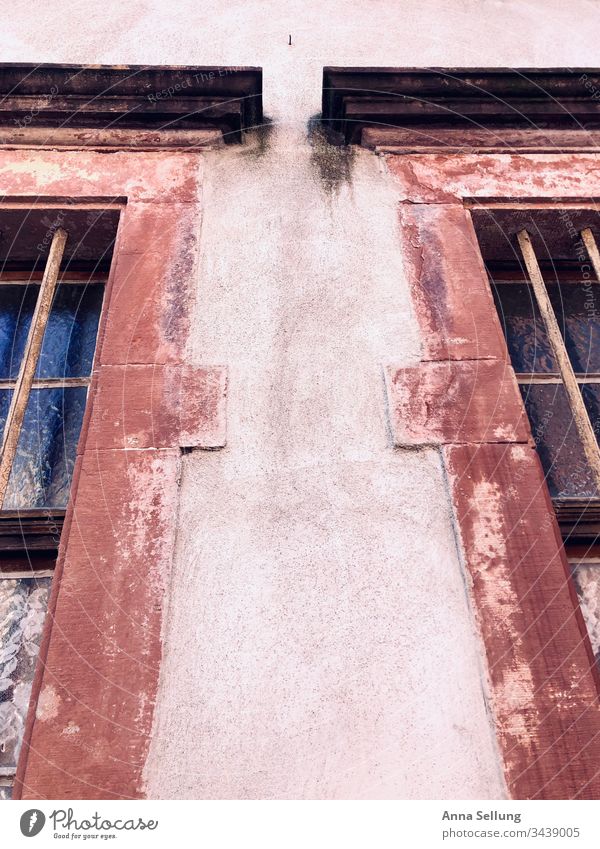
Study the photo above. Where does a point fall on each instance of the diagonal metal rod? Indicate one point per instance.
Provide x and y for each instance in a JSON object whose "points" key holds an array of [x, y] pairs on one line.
{"points": [[580, 414], [18, 404]]}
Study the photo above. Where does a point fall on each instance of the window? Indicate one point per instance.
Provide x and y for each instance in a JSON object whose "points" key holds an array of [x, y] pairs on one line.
{"points": [[23, 603], [543, 268], [53, 268], [585, 567]]}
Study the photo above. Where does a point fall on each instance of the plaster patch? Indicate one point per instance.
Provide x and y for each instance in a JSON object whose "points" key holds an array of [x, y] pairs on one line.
{"points": [[48, 704]]}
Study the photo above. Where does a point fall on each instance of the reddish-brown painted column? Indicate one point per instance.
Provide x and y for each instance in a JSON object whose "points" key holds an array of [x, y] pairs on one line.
{"points": [[87, 732], [464, 398]]}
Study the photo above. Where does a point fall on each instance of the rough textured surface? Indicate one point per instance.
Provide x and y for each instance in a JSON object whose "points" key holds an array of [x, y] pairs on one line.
{"points": [[302, 293], [159, 406], [307, 672], [95, 702], [445, 402], [88, 727], [318, 630], [543, 682], [448, 283], [544, 695], [443, 178]]}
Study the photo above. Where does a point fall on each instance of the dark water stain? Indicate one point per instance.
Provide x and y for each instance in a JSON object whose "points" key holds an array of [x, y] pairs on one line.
{"points": [[332, 161], [259, 139]]}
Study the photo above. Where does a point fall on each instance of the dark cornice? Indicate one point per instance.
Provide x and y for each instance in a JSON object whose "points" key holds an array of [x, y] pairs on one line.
{"points": [[127, 105], [463, 108], [30, 530]]}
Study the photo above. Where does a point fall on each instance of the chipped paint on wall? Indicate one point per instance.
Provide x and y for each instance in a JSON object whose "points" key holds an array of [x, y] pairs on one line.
{"points": [[515, 691], [316, 609], [314, 550]]}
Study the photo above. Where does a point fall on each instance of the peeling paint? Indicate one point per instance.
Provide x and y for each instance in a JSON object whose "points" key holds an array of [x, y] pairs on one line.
{"points": [[48, 704], [544, 698], [514, 690]]}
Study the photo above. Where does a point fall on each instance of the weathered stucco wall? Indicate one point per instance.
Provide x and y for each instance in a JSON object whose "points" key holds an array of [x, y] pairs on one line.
{"points": [[319, 641], [328, 650]]}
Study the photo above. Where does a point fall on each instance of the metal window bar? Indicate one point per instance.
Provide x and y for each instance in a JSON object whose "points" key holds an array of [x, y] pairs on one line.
{"points": [[25, 379], [567, 376]]}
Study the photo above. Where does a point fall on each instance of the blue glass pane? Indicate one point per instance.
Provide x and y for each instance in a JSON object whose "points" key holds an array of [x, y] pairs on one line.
{"points": [[591, 399], [5, 395], [70, 338], [567, 470], [525, 334], [577, 310], [43, 467], [16, 308]]}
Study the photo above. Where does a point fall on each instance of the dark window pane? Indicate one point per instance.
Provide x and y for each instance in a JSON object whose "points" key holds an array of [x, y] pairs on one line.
{"points": [[5, 396], [567, 471], [70, 338], [43, 466], [591, 399], [23, 603], [526, 337], [16, 308], [577, 309]]}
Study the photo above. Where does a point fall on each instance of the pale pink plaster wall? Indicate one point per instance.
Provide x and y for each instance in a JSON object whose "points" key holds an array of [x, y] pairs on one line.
{"points": [[319, 641]]}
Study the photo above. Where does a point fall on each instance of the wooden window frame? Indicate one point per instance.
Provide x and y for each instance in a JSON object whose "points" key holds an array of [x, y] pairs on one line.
{"points": [[37, 530], [567, 376], [33, 347], [578, 518], [29, 538]]}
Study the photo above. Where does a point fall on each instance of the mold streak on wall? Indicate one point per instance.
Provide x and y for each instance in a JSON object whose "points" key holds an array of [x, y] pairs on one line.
{"points": [[319, 642]]}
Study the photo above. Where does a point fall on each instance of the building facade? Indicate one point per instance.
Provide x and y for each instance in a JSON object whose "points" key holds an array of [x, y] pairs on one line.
{"points": [[299, 472]]}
